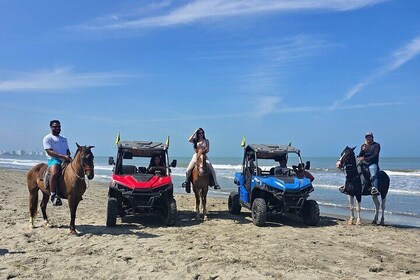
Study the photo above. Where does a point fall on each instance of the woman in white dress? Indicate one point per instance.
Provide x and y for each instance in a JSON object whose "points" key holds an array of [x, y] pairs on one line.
{"points": [[198, 138]]}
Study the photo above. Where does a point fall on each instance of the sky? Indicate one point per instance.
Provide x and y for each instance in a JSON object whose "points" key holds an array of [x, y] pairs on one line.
{"points": [[317, 73]]}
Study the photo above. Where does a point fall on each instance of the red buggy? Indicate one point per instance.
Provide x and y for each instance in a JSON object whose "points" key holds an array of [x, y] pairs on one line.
{"points": [[137, 188]]}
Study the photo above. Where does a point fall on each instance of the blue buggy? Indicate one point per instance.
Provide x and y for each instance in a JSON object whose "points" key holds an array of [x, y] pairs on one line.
{"points": [[267, 190]]}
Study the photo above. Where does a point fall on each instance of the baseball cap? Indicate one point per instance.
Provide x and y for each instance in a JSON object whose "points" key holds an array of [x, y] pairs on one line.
{"points": [[368, 134]]}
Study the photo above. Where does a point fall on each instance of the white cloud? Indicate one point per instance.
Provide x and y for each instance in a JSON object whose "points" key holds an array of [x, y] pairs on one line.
{"points": [[278, 58], [265, 105], [60, 79], [200, 10], [396, 60]]}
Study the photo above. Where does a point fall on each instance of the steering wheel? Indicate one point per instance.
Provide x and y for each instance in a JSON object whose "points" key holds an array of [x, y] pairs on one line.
{"points": [[298, 168], [157, 170]]}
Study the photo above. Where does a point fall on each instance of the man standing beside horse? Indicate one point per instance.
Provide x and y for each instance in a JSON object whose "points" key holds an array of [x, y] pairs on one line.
{"points": [[369, 156], [58, 151]]}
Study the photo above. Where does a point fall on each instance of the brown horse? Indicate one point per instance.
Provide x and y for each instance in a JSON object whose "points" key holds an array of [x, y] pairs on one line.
{"points": [[72, 185], [200, 180]]}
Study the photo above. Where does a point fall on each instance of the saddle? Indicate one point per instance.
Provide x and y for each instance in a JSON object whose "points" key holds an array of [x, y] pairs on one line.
{"points": [[44, 174]]}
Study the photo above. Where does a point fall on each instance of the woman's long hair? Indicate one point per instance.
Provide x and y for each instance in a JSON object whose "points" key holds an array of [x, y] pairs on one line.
{"points": [[195, 139], [152, 161]]}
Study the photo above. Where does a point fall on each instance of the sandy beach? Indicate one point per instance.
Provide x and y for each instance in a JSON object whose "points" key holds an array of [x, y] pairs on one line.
{"points": [[225, 247]]}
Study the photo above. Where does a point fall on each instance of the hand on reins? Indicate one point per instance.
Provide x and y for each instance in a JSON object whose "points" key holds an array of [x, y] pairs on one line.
{"points": [[66, 158]]}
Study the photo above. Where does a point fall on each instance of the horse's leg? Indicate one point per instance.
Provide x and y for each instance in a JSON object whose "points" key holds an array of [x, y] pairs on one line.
{"points": [[73, 203], [383, 212], [359, 219], [44, 203], [204, 200], [351, 205], [33, 201], [376, 202], [197, 202]]}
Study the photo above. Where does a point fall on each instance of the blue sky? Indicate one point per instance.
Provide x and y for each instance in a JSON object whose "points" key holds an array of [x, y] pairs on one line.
{"points": [[317, 73]]}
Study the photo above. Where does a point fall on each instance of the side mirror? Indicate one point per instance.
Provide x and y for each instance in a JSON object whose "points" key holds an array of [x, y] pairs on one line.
{"points": [[111, 161], [308, 165], [173, 163]]}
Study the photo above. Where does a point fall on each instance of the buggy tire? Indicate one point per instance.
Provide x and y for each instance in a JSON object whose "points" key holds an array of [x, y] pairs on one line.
{"points": [[259, 212], [233, 203], [170, 212], [111, 212], [310, 213]]}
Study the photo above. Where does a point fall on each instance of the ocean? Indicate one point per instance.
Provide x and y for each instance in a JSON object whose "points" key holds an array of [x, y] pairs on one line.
{"points": [[403, 200]]}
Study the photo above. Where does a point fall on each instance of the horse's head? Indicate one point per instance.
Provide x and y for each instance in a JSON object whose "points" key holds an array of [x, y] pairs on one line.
{"points": [[346, 156], [201, 162], [85, 157]]}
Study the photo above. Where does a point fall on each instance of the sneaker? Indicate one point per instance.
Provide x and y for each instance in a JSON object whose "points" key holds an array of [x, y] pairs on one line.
{"points": [[217, 187], [374, 191], [56, 200]]}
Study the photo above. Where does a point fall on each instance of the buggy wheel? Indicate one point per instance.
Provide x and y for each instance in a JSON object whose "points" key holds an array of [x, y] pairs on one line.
{"points": [[233, 203], [259, 212], [170, 212], [310, 213], [111, 212]]}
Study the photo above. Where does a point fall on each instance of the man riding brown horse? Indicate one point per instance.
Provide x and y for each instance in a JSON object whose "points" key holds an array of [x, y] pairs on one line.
{"points": [[58, 151]]}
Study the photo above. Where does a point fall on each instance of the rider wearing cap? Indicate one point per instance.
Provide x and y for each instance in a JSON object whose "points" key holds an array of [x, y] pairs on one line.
{"points": [[369, 155]]}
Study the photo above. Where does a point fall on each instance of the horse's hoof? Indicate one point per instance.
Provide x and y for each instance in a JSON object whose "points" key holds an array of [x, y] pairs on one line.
{"points": [[374, 222], [31, 227], [73, 232], [350, 222], [205, 218], [382, 223], [47, 225], [358, 223]]}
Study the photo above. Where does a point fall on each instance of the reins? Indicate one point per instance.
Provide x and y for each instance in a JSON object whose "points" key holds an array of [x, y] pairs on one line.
{"points": [[84, 172], [74, 171]]}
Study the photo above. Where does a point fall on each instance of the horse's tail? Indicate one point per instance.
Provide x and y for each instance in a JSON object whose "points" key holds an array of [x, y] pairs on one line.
{"points": [[383, 183], [33, 188]]}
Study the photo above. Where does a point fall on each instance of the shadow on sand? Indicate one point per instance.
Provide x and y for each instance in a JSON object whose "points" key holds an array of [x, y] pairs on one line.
{"points": [[119, 229], [188, 218]]}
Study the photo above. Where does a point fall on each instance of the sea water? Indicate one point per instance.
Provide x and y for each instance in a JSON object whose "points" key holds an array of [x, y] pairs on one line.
{"points": [[402, 205]]}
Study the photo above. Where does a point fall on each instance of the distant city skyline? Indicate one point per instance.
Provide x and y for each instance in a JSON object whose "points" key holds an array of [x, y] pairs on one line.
{"points": [[22, 152], [317, 73]]}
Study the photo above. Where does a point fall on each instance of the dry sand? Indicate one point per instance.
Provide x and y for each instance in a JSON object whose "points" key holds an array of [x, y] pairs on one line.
{"points": [[225, 247]]}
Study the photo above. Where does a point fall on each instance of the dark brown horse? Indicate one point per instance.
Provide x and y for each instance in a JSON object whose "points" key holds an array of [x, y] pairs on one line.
{"points": [[72, 185], [200, 180]]}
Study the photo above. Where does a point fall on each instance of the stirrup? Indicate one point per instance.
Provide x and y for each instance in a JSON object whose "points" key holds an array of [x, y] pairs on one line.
{"points": [[187, 186]]}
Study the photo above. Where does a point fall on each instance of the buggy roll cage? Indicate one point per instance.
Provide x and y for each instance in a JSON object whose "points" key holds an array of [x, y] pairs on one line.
{"points": [[253, 152], [130, 149]]}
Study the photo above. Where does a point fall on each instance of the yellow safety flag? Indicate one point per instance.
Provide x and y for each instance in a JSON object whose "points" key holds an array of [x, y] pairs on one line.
{"points": [[167, 142], [243, 141], [118, 138]]}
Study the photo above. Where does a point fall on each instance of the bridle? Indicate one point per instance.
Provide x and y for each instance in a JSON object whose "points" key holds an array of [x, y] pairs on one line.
{"points": [[343, 159], [85, 169]]}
